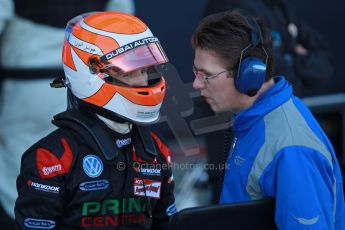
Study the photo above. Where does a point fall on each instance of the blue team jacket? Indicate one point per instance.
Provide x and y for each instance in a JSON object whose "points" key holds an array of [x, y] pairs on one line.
{"points": [[280, 151]]}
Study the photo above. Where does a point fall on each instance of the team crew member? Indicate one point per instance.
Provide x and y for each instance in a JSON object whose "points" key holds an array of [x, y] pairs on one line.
{"points": [[279, 149], [102, 168]]}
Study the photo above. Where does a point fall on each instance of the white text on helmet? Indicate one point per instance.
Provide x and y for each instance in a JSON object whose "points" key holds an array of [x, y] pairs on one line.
{"points": [[127, 47]]}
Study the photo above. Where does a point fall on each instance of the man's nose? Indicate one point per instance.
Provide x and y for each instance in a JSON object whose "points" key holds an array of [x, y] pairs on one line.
{"points": [[197, 84]]}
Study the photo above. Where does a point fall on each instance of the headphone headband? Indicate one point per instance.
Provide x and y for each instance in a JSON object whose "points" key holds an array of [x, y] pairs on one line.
{"points": [[251, 73], [256, 39], [256, 33]]}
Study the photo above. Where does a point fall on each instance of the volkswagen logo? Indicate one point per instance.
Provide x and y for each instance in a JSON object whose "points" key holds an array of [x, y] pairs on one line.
{"points": [[92, 166]]}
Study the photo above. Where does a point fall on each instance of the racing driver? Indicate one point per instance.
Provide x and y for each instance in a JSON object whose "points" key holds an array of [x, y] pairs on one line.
{"points": [[102, 168]]}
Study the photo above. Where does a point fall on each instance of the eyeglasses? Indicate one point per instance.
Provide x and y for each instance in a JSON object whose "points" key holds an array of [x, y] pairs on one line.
{"points": [[201, 76]]}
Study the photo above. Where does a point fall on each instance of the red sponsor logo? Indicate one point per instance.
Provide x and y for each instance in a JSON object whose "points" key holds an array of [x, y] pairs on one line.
{"points": [[104, 221], [49, 165], [48, 170], [148, 188]]}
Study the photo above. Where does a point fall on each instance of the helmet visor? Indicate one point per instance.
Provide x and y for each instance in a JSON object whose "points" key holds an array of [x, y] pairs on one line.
{"points": [[143, 56], [143, 77]]}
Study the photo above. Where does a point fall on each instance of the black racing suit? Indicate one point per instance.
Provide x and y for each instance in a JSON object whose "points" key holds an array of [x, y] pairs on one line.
{"points": [[67, 181]]}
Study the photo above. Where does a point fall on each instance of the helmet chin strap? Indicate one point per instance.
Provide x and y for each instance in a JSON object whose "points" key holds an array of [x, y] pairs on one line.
{"points": [[122, 128]]}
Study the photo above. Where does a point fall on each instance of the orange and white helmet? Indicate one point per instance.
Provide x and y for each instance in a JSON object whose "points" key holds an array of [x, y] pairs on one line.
{"points": [[99, 42]]}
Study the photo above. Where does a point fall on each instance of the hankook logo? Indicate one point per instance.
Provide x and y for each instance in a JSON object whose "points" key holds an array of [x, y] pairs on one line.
{"points": [[43, 187]]}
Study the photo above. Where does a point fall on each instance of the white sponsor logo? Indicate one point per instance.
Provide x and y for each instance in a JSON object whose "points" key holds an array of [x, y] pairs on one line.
{"points": [[239, 160], [48, 170], [146, 171], [130, 46], [306, 221], [121, 143], [149, 187], [171, 210], [43, 187]]}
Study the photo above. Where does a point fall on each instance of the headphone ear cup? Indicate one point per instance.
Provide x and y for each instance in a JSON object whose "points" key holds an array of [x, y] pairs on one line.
{"points": [[251, 76]]}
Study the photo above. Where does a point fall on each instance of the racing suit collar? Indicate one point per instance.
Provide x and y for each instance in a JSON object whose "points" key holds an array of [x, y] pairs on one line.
{"points": [[122, 128]]}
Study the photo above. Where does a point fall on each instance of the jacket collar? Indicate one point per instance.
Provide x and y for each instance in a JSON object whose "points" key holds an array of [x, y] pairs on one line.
{"points": [[278, 94]]}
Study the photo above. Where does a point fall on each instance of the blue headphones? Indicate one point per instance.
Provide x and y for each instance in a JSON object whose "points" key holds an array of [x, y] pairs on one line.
{"points": [[251, 73]]}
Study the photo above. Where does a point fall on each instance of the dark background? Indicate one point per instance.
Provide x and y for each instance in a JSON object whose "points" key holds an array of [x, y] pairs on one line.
{"points": [[174, 21]]}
